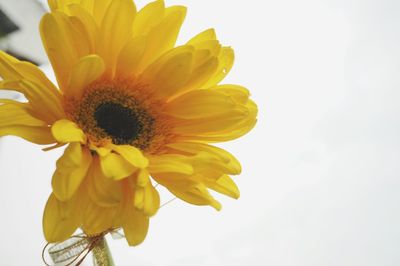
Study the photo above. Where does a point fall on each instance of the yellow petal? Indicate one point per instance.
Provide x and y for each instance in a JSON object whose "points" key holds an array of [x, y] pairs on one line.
{"points": [[61, 4], [200, 104], [65, 131], [38, 135], [115, 166], [135, 225], [163, 36], [87, 21], [116, 30], [148, 17], [172, 76], [206, 35], [71, 171], [102, 151], [87, 70], [154, 68], [212, 124], [138, 199], [224, 185], [100, 8], [131, 154], [238, 129], [210, 157], [29, 80], [143, 178], [65, 44], [225, 63], [192, 192], [98, 219], [61, 219], [104, 191], [16, 113], [151, 200], [170, 163], [14, 69], [238, 93], [130, 56], [201, 73]]}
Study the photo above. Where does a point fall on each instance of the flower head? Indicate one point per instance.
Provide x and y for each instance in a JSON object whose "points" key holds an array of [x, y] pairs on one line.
{"points": [[133, 110]]}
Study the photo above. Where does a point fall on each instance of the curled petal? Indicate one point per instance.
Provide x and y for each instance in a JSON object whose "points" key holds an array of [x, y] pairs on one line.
{"points": [[223, 185], [65, 131], [131, 154], [115, 166]]}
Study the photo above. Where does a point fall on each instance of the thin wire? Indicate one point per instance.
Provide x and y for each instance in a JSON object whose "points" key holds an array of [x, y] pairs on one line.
{"points": [[168, 202]]}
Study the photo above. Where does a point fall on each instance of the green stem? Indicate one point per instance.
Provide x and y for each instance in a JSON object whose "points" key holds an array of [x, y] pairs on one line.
{"points": [[102, 254]]}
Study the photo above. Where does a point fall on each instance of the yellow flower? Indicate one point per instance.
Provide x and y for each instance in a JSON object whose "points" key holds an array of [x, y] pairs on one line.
{"points": [[130, 106]]}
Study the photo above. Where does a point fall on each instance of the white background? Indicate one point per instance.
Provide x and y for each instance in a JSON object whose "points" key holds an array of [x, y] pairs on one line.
{"points": [[320, 184]]}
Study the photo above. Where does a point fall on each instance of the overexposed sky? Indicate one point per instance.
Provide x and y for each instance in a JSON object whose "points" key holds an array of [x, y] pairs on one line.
{"points": [[320, 183]]}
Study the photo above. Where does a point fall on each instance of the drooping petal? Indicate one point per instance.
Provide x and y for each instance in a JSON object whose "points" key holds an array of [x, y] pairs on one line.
{"points": [[147, 199], [143, 178], [98, 219], [14, 69], [71, 170], [15, 113], [38, 135], [65, 131], [135, 224], [26, 78], [188, 189], [16, 119], [61, 219], [102, 190], [151, 200]]}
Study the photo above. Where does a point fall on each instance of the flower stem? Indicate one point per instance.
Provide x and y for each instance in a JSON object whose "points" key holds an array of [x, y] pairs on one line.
{"points": [[101, 254]]}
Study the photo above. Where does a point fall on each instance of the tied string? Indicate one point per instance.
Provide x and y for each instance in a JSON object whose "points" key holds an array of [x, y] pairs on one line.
{"points": [[75, 249]]}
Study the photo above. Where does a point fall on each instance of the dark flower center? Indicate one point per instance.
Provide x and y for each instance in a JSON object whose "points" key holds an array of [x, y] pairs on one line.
{"points": [[119, 122]]}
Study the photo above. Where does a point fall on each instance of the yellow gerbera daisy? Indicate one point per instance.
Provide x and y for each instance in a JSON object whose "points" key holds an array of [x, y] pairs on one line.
{"points": [[129, 106]]}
